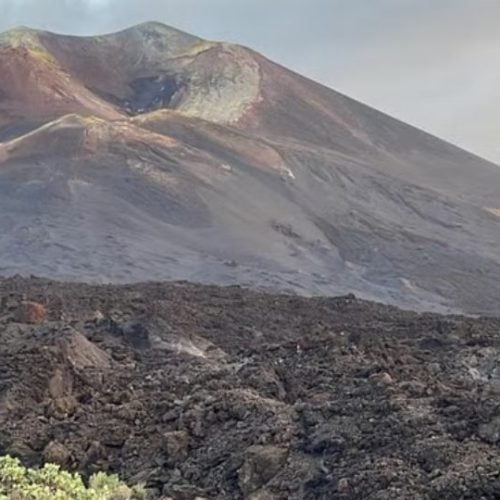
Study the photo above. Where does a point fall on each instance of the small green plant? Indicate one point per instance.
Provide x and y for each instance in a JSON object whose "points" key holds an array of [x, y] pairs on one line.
{"points": [[52, 483]]}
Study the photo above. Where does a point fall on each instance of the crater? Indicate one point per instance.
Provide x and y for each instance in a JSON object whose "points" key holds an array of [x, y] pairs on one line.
{"points": [[147, 94], [153, 93]]}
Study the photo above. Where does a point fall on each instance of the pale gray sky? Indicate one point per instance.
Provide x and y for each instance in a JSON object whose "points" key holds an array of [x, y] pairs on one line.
{"points": [[432, 63]]}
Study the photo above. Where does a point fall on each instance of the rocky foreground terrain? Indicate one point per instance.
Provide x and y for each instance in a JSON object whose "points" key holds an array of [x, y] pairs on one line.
{"points": [[223, 393]]}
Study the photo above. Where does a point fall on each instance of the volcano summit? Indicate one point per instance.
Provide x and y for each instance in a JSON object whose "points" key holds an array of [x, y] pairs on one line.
{"points": [[154, 154]]}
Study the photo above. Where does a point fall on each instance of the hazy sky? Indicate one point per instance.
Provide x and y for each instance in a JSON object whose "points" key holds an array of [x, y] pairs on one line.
{"points": [[432, 63]]}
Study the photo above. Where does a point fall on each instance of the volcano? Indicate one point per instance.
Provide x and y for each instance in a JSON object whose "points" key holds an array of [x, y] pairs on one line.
{"points": [[152, 154]]}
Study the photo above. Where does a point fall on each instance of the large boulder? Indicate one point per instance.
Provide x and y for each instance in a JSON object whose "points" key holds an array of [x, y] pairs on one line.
{"points": [[83, 354]]}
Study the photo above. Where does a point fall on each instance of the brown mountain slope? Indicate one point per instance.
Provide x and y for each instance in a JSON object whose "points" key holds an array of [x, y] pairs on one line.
{"points": [[151, 153]]}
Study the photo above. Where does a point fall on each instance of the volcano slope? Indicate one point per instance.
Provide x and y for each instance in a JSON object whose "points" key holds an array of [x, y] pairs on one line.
{"points": [[153, 154], [222, 393]]}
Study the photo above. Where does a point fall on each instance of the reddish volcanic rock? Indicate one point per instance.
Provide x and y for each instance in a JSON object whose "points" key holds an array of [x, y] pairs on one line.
{"points": [[30, 313]]}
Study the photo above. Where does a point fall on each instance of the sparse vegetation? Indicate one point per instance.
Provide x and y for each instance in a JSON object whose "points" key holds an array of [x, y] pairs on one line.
{"points": [[52, 483]]}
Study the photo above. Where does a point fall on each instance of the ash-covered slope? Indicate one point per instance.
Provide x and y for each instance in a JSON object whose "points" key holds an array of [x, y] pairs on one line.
{"points": [[222, 393], [152, 154]]}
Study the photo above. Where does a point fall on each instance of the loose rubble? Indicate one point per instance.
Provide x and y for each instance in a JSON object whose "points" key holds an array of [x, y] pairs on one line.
{"points": [[222, 393]]}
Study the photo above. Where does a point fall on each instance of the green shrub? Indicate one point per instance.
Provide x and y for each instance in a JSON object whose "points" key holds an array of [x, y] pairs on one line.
{"points": [[52, 483]]}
